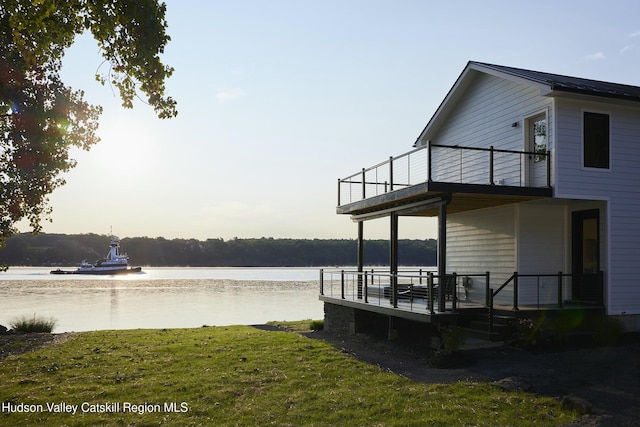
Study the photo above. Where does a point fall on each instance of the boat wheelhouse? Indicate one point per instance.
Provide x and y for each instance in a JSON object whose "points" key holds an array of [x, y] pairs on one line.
{"points": [[115, 262]]}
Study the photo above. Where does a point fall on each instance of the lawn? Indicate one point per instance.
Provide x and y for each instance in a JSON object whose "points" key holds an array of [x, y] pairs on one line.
{"points": [[238, 376]]}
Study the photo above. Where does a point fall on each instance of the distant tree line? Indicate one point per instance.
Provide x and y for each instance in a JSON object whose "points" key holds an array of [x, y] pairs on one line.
{"points": [[69, 250]]}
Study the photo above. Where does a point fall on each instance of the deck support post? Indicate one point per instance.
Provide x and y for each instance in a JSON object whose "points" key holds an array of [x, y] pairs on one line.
{"points": [[487, 290], [515, 291], [366, 288], [442, 251], [491, 166], [393, 258], [430, 292], [360, 256]]}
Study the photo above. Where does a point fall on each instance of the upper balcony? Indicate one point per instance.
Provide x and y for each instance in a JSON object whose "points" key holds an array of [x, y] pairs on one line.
{"points": [[474, 178]]}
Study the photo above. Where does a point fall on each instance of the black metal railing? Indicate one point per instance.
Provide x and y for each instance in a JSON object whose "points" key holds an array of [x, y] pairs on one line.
{"points": [[538, 291], [418, 290], [449, 164], [397, 172], [488, 166], [423, 291]]}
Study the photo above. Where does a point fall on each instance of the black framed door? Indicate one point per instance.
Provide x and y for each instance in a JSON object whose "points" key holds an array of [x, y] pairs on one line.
{"points": [[585, 247]]}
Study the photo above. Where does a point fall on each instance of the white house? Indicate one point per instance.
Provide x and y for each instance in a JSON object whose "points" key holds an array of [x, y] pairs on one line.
{"points": [[533, 177]]}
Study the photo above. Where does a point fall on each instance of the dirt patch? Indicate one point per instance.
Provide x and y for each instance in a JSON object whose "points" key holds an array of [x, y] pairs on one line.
{"points": [[606, 378], [13, 344]]}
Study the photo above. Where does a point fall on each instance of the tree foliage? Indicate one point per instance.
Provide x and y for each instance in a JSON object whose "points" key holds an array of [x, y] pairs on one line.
{"points": [[41, 118], [68, 250]]}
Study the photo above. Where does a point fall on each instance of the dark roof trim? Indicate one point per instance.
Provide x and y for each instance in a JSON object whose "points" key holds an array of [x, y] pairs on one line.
{"points": [[557, 82], [548, 83]]}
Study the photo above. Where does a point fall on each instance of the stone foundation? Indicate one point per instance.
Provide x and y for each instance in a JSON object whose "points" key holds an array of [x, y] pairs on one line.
{"points": [[348, 320], [339, 319]]}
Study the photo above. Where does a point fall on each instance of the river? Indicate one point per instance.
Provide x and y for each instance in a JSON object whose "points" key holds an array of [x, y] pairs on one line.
{"points": [[161, 297]]}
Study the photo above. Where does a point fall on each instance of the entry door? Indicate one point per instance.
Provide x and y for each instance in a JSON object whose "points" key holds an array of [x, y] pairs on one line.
{"points": [[537, 145], [587, 280]]}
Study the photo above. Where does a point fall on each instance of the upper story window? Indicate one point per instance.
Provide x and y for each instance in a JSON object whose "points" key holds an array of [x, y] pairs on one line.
{"points": [[537, 129], [596, 140]]}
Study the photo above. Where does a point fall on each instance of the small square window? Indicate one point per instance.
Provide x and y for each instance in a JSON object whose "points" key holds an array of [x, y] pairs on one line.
{"points": [[596, 140]]}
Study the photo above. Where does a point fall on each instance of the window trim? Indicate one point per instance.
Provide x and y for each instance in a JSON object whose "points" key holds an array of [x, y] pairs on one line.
{"points": [[527, 143]]}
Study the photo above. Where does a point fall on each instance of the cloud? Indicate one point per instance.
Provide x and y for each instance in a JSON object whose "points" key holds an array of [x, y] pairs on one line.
{"points": [[225, 95], [627, 48], [595, 56], [630, 46]]}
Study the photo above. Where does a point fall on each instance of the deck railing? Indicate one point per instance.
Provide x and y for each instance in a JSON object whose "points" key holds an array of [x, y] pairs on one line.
{"points": [[450, 164], [393, 174], [419, 290], [536, 291], [423, 291]]}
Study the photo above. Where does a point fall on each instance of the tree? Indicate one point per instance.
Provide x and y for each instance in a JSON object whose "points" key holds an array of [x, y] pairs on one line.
{"points": [[41, 118]]}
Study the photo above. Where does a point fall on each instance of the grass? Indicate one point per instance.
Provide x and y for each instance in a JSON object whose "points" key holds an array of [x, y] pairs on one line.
{"points": [[25, 325], [241, 376]]}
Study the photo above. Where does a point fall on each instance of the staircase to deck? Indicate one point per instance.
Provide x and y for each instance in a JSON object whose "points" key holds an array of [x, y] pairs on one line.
{"points": [[479, 332]]}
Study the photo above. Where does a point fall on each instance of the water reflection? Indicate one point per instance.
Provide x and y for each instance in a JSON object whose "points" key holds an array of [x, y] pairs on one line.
{"points": [[168, 299]]}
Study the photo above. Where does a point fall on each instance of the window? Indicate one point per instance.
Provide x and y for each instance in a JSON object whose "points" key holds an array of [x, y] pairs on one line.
{"points": [[596, 140], [538, 137]]}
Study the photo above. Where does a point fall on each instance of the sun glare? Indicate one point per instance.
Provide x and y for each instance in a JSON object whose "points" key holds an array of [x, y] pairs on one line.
{"points": [[125, 150]]}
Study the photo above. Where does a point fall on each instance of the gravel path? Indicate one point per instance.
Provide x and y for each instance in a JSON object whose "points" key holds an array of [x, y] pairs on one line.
{"points": [[608, 378]]}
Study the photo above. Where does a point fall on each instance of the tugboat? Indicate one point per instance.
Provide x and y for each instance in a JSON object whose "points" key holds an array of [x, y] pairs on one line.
{"points": [[115, 262]]}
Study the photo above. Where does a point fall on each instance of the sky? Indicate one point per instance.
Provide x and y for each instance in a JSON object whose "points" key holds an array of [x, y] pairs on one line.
{"points": [[278, 99]]}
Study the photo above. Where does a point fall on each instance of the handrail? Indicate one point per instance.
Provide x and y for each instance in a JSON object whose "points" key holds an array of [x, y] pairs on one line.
{"points": [[370, 168], [438, 166], [559, 276], [495, 150], [370, 287], [343, 284], [513, 276]]}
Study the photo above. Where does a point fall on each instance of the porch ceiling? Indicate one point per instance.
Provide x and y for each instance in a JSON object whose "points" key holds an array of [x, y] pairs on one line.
{"points": [[424, 199]]}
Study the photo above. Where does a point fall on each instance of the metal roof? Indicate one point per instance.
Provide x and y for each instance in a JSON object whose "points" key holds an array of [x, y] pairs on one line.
{"points": [[557, 82]]}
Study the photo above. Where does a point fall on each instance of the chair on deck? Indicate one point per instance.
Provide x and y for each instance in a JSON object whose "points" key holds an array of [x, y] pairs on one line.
{"points": [[449, 285]]}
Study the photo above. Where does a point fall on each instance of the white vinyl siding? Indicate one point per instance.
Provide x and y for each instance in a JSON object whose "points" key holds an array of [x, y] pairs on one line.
{"points": [[484, 117], [542, 231], [620, 185], [481, 241], [530, 238], [485, 114]]}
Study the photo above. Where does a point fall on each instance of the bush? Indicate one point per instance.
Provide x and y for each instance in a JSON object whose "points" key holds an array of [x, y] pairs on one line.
{"points": [[25, 325], [452, 338], [542, 333], [316, 325]]}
